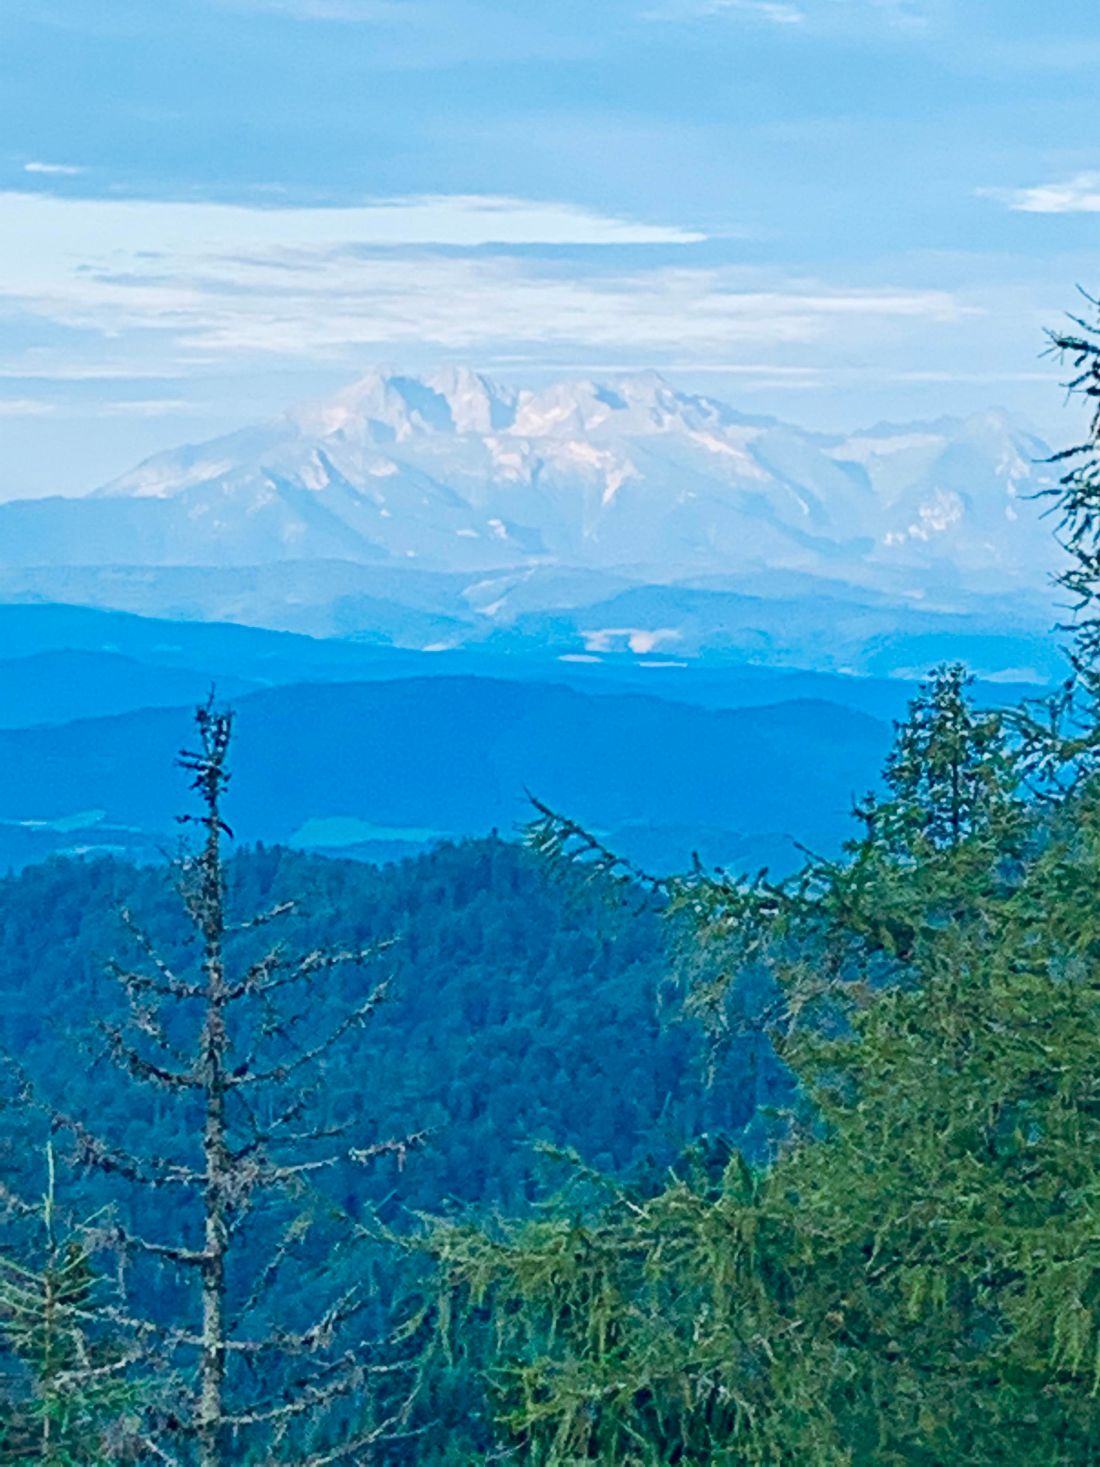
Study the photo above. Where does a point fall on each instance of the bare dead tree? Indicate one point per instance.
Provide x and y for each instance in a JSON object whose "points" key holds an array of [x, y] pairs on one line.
{"points": [[221, 1042]]}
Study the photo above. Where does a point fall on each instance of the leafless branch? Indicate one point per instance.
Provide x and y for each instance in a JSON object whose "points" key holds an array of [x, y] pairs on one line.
{"points": [[172, 985], [262, 919], [129, 1241], [349, 1375], [92, 1150], [271, 972], [280, 1073], [136, 1064], [139, 984], [391, 1429]]}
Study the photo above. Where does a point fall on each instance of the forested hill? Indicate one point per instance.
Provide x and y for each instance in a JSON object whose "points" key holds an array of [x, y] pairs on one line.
{"points": [[521, 1009], [373, 769]]}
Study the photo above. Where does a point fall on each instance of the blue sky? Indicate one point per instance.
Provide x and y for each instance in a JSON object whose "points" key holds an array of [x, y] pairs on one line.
{"points": [[831, 210]]}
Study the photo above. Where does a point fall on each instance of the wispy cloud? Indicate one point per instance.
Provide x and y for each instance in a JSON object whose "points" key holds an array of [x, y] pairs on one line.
{"points": [[150, 407], [36, 367], [203, 286], [135, 226], [66, 170], [24, 407], [778, 12], [1077, 195], [906, 14]]}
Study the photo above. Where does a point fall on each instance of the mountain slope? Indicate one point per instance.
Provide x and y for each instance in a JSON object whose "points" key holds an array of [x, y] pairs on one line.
{"points": [[59, 686]]}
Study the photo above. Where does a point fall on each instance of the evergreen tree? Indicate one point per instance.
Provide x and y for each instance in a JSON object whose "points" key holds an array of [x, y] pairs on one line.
{"points": [[66, 1393], [1076, 500], [950, 775], [707, 1323], [1060, 735], [912, 1278]]}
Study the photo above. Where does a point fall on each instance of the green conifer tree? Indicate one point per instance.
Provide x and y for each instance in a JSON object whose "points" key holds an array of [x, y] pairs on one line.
{"points": [[912, 1278], [66, 1386]]}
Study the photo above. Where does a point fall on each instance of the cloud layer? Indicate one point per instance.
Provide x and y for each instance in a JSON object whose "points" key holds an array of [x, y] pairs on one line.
{"points": [[197, 285], [232, 203], [64, 170]]}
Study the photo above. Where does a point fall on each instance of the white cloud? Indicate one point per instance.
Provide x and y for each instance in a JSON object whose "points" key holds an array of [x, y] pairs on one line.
{"points": [[24, 407], [149, 407], [68, 170], [1077, 195], [145, 407], [982, 379], [36, 367], [97, 226]]}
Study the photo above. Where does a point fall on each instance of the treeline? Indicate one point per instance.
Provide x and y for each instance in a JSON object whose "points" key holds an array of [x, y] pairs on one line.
{"points": [[823, 1187]]}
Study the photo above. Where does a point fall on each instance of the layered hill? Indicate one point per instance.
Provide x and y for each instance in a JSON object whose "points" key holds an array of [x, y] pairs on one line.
{"points": [[382, 768]]}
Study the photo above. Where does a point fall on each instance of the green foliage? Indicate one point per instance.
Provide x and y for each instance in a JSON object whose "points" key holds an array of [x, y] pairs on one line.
{"points": [[65, 1386], [1077, 499], [950, 776], [914, 1277], [506, 983]]}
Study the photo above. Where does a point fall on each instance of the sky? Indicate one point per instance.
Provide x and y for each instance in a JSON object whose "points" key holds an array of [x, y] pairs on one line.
{"points": [[835, 211]]}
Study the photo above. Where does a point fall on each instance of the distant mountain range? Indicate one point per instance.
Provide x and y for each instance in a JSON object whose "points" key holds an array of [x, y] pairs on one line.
{"points": [[62, 663], [687, 627], [617, 520], [347, 748]]}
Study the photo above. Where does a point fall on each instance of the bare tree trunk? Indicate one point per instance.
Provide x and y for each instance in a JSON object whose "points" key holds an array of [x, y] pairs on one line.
{"points": [[211, 1406], [210, 910], [49, 1310]]}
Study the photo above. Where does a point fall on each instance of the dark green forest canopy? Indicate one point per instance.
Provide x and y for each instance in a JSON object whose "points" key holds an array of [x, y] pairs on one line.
{"points": [[522, 1008]]}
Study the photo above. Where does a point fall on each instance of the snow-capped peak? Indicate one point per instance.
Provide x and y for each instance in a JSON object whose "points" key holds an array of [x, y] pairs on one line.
{"points": [[450, 469], [387, 403]]}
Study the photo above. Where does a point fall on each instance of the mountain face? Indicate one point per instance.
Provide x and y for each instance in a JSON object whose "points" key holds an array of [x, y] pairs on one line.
{"points": [[622, 520], [452, 472]]}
